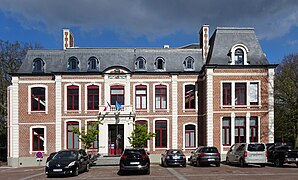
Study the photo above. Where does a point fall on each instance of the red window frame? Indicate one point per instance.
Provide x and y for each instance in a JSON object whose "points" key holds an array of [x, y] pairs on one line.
{"points": [[189, 132], [240, 93], [238, 128], [116, 95], [94, 145], [72, 123], [74, 97], [38, 136], [190, 98], [160, 131], [143, 122], [253, 128], [39, 98], [226, 130], [159, 93], [140, 97], [227, 93], [94, 97]]}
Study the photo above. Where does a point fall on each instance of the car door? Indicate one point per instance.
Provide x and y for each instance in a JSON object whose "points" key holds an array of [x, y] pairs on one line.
{"points": [[239, 153], [231, 153], [195, 155], [270, 149]]}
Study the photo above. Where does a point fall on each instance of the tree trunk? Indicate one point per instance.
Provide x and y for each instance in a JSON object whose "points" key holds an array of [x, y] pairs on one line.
{"points": [[296, 135]]}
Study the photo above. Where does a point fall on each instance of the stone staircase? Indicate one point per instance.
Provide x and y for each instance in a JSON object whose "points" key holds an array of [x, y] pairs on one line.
{"points": [[107, 161]]}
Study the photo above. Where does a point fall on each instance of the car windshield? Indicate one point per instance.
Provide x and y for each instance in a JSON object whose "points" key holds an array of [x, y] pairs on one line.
{"points": [[137, 152], [175, 152], [210, 150], [256, 147], [65, 155]]}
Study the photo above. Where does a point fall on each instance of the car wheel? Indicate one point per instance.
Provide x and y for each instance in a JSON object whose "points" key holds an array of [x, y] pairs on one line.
{"points": [[278, 162], [165, 164], [49, 176], [191, 163], [228, 161], [161, 163], [198, 163], [148, 172], [87, 167], [262, 165], [242, 163], [76, 171], [218, 165], [184, 165]]}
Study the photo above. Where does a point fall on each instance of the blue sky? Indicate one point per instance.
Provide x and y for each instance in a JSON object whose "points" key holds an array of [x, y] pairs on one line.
{"points": [[143, 23]]}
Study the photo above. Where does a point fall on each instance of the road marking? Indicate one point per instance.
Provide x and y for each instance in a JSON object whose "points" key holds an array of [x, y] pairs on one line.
{"points": [[32, 176], [176, 174]]}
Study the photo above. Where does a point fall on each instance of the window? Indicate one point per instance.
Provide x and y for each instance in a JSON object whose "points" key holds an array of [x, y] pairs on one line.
{"points": [[160, 64], [117, 94], [190, 97], [239, 129], [160, 97], [254, 93], [72, 138], [38, 100], [227, 93], [93, 64], [161, 134], [72, 97], [93, 125], [73, 64], [93, 97], [140, 63], [143, 123], [141, 97], [239, 57], [240, 93], [226, 131], [253, 133], [190, 136], [38, 65], [38, 139], [189, 63]]}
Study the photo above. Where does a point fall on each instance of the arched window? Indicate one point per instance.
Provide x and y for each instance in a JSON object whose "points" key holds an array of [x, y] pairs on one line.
{"points": [[72, 97], [143, 123], [93, 64], [72, 138], [140, 63], [190, 136], [73, 64], [141, 97], [38, 65], [189, 63], [38, 99], [93, 97], [159, 64], [239, 57], [161, 131]]}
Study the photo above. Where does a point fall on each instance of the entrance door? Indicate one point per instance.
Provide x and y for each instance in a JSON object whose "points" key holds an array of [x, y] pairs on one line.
{"points": [[116, 144]]}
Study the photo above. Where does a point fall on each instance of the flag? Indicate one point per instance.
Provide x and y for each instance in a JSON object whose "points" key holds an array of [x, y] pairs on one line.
{"points": [[118, 106], [108, 106]]}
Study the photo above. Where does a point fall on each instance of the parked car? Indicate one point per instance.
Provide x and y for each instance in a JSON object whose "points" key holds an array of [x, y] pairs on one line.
{"points": [[247, 153], [51, 156], [172, 157], [134, 160], [280, 153], [68, 162], [205, 155]]}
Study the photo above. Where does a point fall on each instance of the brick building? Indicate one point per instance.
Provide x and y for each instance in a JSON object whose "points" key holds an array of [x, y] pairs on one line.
{"points": [[215, 92]]}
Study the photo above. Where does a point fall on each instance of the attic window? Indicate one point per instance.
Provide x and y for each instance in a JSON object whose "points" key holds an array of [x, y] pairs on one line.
{"points": [[93, 64], [140, 63], [238, 55], [73, 64], [188, 63], [159, 64], [38, 65]]}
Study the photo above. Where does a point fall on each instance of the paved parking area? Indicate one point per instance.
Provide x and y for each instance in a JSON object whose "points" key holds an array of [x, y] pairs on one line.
{"points": [[158, 172]]}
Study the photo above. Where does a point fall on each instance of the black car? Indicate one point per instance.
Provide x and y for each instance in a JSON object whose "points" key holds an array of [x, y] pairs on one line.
{"points": [[173, 157], [205, 155], [68, 162], [134, 160], [51, 156]]}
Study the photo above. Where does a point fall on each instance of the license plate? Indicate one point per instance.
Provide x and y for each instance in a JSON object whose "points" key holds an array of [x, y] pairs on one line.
{"points": [[57, 170], [211, 159], [175, 157], [133, 163]]}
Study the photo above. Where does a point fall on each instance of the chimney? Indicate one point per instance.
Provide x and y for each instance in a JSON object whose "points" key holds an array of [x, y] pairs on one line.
{"points": [[166, 46], [204, 41], [68, 39]]}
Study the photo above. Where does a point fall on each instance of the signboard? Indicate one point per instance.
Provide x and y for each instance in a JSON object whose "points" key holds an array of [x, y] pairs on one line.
{"points": [[39, 156]]}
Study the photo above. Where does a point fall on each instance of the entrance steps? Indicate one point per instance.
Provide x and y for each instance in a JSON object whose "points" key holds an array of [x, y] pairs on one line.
{"points": [[107, 161]]}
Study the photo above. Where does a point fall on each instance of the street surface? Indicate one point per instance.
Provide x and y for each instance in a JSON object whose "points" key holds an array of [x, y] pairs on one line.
{"points": [[158, 172]]}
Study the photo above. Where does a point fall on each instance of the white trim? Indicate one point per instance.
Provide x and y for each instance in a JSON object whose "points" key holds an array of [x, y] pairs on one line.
{"points": [[271, 105], [209, 104], [65, 131], [45, 139], [196, 97], [196, 135], [147, 97], [245, 52], [168, 132], [217, 112], [36, 81], [233, 128], [82, 80], [58, 106], [15, 133], [240, 74], [166, 79], [46, 111], [174, 112], [148, 126], [44, 123], [86, 96], [153, 98], [65, 98], [247, 125]]}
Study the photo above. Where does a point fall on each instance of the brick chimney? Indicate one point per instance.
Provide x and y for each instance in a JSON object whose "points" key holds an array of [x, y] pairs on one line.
{"points": [[204, 41], [68, 39]]}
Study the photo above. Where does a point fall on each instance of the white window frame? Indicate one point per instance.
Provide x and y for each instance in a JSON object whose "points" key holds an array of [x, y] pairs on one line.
{"points": [[65, 98], [156, 64], [137, 66], [86, 96], [148, 126], [45, 139], [168, 95], [196, 96], [196, 135], [30, 99], [65, 131], [168, 132], [134, 96], [189, 58], [245, 52]]}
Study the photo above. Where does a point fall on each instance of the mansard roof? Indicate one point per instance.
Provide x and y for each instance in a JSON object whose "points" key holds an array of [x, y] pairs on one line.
{"points": [[224, 38]]}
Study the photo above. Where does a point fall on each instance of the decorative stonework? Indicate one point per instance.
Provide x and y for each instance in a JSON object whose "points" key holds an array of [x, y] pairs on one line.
{"points": [[117, 76]]}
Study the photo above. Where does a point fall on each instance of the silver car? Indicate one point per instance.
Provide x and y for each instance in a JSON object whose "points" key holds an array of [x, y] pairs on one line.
{"points": [[247, 153]]}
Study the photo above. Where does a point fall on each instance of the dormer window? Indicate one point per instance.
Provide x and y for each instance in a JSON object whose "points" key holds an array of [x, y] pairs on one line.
{"points": [[73, 64], [93, 64], [140, 63], [159, 64], [38, 65], [238, 55], [188, 63]]}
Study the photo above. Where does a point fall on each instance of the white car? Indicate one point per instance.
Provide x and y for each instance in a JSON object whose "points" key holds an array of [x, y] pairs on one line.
{"points": [[247, 153]]}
